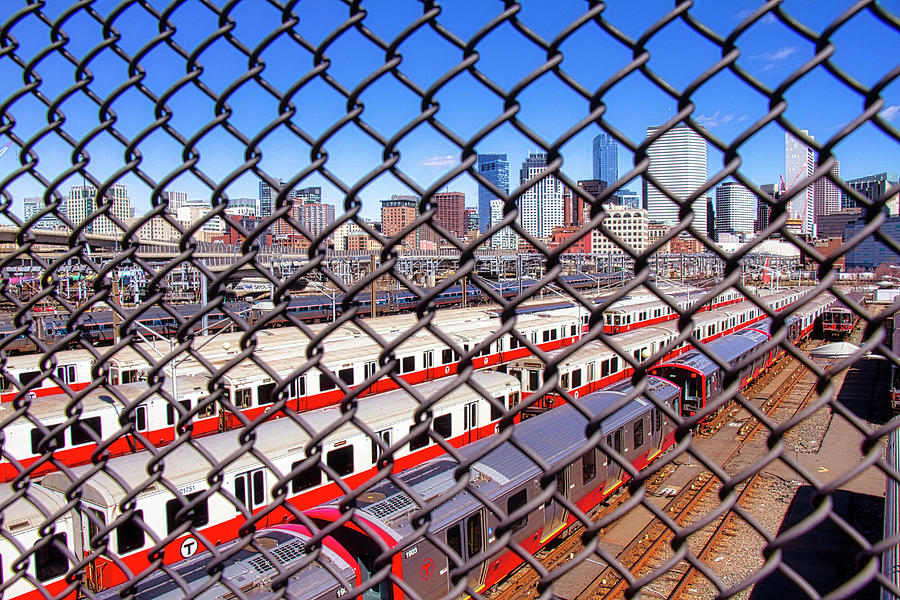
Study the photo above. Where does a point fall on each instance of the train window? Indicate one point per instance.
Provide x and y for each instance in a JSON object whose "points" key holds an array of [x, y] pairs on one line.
{"points": [[546, 335], [470, 416], [513, 399], [346, 375], [429, 359], [473, 535], [576, 378], [130, 534], [514, 343], [514, 503], [28, 376], [66, 374], [304, 480], [553, 334], [564, 381], [534, 337], [208, 409], [139, 418], [385, 435], [326, 383], [443, 425], [657, 419], [55, 442], [265, 394], [454, 540], [341, 460], [496, 413], [408, 364], [500, 345], [419, 441], [4, 383], [50, 560], [638, 431], [170, 410], [534, 381], [80, 430], [614, 364], [243, 398], [446, 356], [131, 376], [574, 330], [196, 516], [588, 466], [604, 368]]}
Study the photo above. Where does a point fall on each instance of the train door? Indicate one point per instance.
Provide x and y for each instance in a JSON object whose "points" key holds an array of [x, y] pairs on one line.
{"points": [[656, 421], [428, 358], [470, 422], [555, 514], [92, 522], [613, 469], [467, 538]]}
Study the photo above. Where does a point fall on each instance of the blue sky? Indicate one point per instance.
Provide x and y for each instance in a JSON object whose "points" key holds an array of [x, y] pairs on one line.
{"points": [[866, 49]]}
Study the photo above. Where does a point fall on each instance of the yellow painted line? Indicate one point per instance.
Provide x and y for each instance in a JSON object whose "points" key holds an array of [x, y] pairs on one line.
{"points": [[554, 532], [654, 455]]}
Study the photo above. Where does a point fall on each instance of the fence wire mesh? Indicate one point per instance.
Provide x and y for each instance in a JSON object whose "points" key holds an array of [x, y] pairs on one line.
{"points": [[151, 415]]}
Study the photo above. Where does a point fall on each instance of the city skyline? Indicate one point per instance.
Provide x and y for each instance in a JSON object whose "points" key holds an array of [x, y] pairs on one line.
{"points": [[726, 108]]}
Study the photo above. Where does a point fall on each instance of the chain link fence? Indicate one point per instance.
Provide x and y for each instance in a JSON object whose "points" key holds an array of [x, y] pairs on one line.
{"points": [[153, 411]]}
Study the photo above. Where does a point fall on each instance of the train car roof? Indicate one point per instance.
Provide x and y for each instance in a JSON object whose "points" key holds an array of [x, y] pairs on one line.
{"points": [[30, 511], [554, 436], [726, 349], [250, 570], [54, 406], [273, 439]]}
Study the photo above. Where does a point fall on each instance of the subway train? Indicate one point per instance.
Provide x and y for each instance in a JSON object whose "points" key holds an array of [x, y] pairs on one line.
{"points": [[634, 430], [73, 370], [248, 490], [206, 404], [596, 365], [96, 326], [250, 392], [183, 507], [747, 353]]}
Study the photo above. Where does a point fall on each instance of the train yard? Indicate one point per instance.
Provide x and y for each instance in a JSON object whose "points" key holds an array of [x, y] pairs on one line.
{"points": [[731, 460], [700, 544]]}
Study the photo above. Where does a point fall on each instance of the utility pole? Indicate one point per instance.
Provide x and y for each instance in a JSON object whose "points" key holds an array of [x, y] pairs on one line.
{"points": [[374, 287]]}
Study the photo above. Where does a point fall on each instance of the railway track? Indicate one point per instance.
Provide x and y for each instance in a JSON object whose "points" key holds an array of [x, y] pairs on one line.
{"points": [[649, 550]]}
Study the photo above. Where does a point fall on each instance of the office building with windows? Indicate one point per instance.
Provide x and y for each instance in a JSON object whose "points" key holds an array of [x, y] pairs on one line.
{"points": [[735, 209], [494, 168], [799, 162], [678, 162], [541, 206], [605, 158]]}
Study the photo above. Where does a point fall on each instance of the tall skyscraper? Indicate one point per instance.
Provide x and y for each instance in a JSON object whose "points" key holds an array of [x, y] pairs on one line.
{"points": [[495, 168], [678, 161], [82, 202], [541, 206], [605, 158], [450, 213], [267, 196], [763, 210], [735, 208], [799, 162], [827, 195]]}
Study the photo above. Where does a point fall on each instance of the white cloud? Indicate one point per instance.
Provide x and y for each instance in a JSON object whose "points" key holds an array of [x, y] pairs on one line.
{"points": [[714, 120], [890, 112], [777, 55], [439, 162]]}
